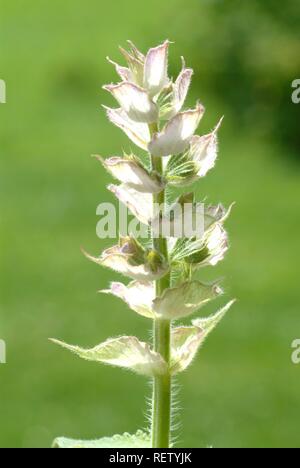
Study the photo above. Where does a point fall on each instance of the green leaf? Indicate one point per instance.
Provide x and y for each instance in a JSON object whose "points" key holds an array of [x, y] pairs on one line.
{"points": [[139, 440]]}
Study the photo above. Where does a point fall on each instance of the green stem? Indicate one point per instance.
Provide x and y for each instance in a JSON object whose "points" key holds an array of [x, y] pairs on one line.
{"points": [[161, 400]]}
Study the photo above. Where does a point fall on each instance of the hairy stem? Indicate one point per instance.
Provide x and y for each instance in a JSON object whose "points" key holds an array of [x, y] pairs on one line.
{"points": [[161, 399]]}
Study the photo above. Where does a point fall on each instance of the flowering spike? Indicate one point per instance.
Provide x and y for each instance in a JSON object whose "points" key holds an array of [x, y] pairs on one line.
{"points": [[164, 288]]}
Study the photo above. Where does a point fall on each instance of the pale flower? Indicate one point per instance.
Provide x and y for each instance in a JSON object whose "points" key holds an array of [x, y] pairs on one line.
{"points": [[140, 204], [176, 135], [135, 61], [150, 71], [130, 171], [175, 97], [173, 223], [195, 163], [217, 245], [211, 250], [134, 101], [137, 132], [131, 259], [156, 69], [203, 151], [185, 213], [144, 78]]}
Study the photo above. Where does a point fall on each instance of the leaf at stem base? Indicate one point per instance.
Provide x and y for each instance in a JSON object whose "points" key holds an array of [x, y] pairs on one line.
{"points": [[138, 440]]}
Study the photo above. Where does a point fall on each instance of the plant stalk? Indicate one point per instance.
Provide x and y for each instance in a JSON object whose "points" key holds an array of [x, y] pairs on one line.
{"points": [[161, 399]]}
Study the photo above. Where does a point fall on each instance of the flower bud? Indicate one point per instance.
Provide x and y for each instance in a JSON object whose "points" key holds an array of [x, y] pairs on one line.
{"points": [[135, 60]]}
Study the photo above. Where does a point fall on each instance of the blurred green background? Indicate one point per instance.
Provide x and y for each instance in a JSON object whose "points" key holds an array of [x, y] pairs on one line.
{"points": [[242, 390]]}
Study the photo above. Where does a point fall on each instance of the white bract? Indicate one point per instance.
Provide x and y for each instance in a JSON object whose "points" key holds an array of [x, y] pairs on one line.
{"points": [[138, 295], [134, 101], [197, 253], [203, 151], [137, 132], [187, 340], [188, 167], [174, 303], [185, 299], [176, 135], [175, 97], [156, 69], [125, 351], [216, 244], [140, 204]]}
